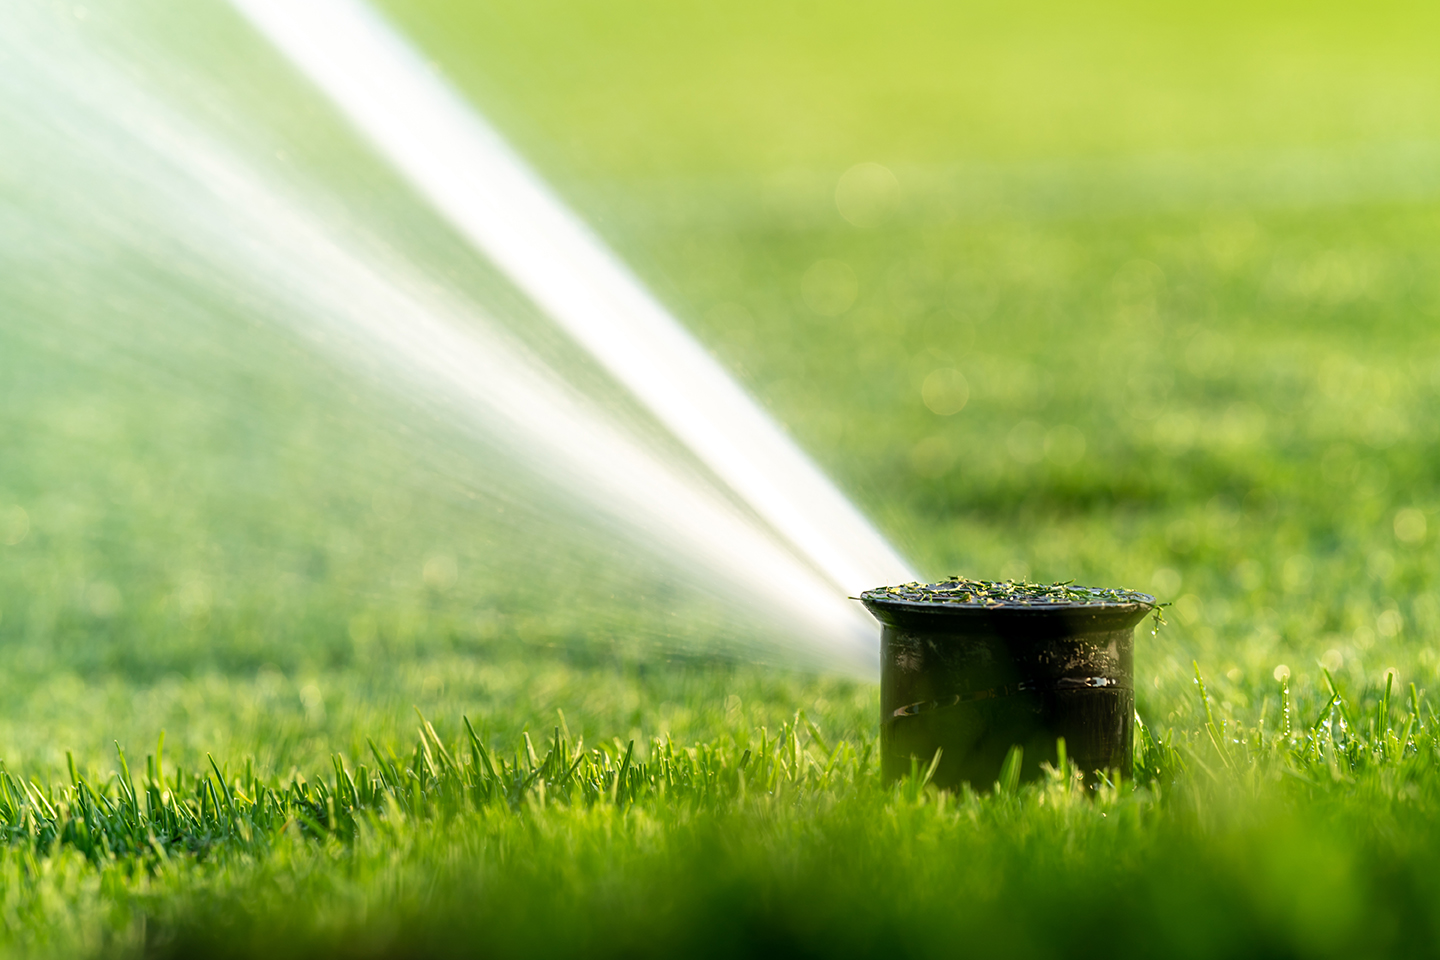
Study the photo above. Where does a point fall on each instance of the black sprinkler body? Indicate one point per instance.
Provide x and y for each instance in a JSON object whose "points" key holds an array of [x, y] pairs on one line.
{"points": [[972, 668]]}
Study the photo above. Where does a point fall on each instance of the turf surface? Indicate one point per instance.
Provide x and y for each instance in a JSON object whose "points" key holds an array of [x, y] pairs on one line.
{"points": [[1152, 305]]}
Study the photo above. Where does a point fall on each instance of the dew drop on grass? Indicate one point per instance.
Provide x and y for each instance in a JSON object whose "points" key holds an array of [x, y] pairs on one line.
{"points": [[1380, 564], [1297, 573], [103, 599], [440, 572], [867, 194], [1189, 609], [945, 391], [1165, 582], [1409, 525], [313, 701]]}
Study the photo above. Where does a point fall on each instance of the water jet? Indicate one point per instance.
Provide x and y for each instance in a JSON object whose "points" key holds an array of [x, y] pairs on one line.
{"points": [[973, 668], [129, 184]]}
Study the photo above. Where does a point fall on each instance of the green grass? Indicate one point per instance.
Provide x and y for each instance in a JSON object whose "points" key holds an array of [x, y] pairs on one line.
{"points": [[1284, 838], [1185, 267]]}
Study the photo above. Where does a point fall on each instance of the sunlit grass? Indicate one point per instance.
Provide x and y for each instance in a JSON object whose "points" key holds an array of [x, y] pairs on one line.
{"points": [[755, 838]]}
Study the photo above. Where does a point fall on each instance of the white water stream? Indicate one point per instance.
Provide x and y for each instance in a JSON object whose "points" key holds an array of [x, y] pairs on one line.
{"points": [[488, 193], [148, 175]]}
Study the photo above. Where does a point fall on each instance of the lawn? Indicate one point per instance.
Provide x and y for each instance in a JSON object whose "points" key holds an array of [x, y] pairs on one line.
{"points": [[1180, 275]]}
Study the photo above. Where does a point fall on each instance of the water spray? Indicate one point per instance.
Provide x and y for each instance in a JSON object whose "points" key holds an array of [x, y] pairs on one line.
{"points": [[496, 201], [168, 183]]}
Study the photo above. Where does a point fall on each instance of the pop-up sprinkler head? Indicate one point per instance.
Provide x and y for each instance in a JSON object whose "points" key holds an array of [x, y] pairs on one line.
{"points": [[973, 668]]}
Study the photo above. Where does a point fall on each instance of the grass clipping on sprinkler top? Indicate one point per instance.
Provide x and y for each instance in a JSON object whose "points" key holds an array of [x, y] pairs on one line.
{"points": [[962, 591]]}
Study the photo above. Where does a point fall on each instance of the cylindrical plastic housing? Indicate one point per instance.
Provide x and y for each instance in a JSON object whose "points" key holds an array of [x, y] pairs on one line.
{"points": [[973, 681]]}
